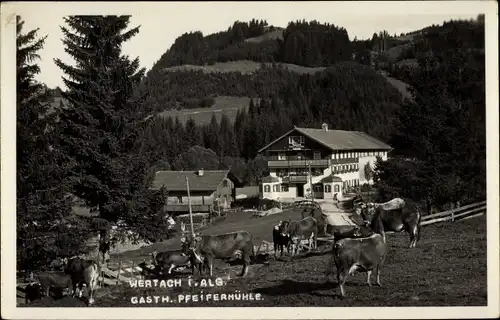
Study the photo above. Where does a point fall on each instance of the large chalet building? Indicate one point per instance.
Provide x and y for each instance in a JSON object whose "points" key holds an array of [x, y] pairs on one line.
{"points": [[335, 158]]}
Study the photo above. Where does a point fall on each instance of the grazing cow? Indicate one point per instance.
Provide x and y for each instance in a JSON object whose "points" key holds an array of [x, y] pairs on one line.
{"points": [[280, 240], [83, 271], [395, 215], [172, 260], [207, 248], [297, 231], [361, 254]]}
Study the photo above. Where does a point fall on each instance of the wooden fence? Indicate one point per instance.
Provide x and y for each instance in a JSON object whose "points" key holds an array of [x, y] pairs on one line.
{"points": [[465, 212]]}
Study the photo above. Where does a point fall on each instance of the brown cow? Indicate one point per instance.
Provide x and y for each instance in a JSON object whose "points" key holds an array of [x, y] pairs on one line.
{"points": [[207, 248], [305, 229], [395, 215], [361, 254], [83, 271]]}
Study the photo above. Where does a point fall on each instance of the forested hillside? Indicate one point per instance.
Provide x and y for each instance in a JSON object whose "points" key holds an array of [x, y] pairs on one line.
{"points": [[304, 80]]}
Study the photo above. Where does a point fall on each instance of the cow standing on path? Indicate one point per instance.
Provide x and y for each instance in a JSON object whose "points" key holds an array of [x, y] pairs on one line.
{"points": [[83, 271], [207, 248], [361, 254], [305, 229]]}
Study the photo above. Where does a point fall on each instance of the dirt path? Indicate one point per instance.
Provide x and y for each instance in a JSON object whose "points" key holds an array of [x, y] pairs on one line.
{"points": [[336, 216]]}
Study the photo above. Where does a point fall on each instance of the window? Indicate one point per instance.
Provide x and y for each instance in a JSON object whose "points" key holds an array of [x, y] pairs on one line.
{"points": [[318, 188], [284, 188], [224, 183], [336, 188], [267, 188], [317, 155], [276, 188], [281, 156], [179, 199], [296, 142], [328, 188]]}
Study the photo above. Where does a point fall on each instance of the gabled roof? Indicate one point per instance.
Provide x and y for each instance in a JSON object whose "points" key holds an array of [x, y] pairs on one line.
{"points": [[331, 179], [176, 180], [270, 179], [338, 139]]}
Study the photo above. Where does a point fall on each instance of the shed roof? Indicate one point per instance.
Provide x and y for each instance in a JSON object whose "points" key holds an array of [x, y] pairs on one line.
{"points": [[176, 180]]}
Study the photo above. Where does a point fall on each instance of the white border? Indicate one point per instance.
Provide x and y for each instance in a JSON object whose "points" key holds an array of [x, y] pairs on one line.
{"points": [[386, 8]]}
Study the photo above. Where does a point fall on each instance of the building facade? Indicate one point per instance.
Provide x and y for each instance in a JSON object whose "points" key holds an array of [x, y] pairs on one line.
{"points": [[336, 159], [210, 190]]}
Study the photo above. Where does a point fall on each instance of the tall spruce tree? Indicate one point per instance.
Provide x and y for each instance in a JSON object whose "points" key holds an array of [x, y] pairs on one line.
{"points": [[42, 202], [100, 125]]}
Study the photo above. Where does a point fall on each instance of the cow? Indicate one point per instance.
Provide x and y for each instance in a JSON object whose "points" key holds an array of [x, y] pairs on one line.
{"points": [[360, 254], [32, 292], [280, 240], [207, 248], [173, 260], [82, 271], [52, 279], [395, 215], [353, 232], [297, 231], [320, 217]]}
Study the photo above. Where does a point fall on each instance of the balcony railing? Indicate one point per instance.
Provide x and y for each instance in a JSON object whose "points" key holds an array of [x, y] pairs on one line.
{"points": [[298, 163], [295, 178]]}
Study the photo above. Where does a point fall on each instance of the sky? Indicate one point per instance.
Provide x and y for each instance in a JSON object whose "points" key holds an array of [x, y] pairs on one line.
{"points": [[162, 22]]}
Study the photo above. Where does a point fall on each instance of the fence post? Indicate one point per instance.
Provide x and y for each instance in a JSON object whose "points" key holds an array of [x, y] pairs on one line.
{"points": [[119, 272]]}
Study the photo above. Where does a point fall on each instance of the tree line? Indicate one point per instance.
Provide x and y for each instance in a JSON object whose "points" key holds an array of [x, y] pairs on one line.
{"points": [[304, 43]]}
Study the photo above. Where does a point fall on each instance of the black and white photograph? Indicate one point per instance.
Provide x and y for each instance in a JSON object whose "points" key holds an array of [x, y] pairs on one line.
{"points": [[244, 160]]}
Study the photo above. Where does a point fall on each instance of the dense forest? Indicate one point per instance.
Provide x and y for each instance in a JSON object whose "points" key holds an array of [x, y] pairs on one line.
{"points": [[106, 150]]}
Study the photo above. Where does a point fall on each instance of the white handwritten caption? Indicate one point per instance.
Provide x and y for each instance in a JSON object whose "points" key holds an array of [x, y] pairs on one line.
{"points": [[171, 283], [188, 298]]}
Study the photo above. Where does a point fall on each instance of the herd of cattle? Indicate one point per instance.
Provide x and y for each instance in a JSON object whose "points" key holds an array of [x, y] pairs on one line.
{"points": [[361, 247]]}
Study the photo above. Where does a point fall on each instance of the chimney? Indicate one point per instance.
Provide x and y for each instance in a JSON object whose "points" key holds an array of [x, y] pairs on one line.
{"points": [[324, 126], [200, 172]]}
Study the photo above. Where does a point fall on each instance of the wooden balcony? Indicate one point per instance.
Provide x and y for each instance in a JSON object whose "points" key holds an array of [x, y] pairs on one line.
{"points": [[181, 207], [322, 163], [344, 161], [295, 179]]}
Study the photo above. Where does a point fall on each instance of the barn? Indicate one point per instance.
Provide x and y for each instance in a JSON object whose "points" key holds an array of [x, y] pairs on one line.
{"points": [[210, 190]]}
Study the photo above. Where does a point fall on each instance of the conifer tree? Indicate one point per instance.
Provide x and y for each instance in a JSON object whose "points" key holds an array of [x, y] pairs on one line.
{"points": [[100, 125], [42, 202]]}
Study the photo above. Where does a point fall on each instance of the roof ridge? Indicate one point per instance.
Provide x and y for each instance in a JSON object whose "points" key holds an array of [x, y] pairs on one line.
{"points": [[193, 170]]}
